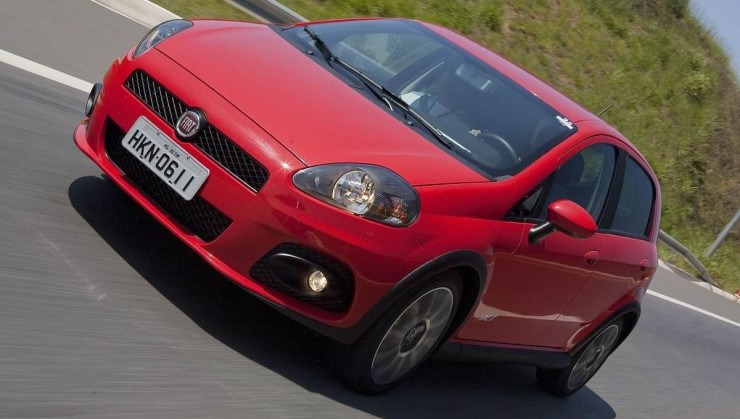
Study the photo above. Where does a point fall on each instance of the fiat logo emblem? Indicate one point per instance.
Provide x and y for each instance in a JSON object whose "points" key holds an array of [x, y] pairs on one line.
{"points": [[190, 124]]}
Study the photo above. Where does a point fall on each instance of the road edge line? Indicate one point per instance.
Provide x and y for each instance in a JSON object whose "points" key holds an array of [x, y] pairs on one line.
{"points": [[691, 307], [46, 72], [701, 284], [143, 12]]}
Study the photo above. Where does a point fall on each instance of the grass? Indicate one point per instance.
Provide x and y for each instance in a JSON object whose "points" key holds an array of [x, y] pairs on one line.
{"points": [[216, 9], [673, 93]]}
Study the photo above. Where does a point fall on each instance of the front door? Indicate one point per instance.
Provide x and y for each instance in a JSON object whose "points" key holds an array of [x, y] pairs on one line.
{"points": [[627, 260], [542, 279]]}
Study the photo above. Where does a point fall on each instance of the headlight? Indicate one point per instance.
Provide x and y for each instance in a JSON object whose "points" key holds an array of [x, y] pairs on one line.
{"points": [[159, 33], [370, 191]]}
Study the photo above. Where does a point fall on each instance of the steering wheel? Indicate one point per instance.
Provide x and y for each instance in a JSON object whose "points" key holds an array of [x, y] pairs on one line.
{"points": [[497, 139]]}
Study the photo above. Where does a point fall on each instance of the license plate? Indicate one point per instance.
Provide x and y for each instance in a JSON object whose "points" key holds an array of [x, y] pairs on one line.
{"points": [[178, 169]]}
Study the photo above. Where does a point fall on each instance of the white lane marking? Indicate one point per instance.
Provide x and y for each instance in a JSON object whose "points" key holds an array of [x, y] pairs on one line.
{"points": [[143, 12], [44, 71], [664, 265], [89, 287], [694, 308]]}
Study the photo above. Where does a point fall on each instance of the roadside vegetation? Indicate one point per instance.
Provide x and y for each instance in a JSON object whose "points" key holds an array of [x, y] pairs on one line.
{"points": [[213, 9], [669, 83]]}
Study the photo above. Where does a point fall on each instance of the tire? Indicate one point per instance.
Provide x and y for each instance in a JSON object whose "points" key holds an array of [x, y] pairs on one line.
{"points": [[402, 338], [585, 363]]}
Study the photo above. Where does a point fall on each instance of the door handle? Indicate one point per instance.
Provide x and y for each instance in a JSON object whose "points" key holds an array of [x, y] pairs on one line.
{"points": [[592, 257]]}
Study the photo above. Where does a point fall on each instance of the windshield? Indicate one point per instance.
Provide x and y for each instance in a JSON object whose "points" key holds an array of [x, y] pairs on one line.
{"points": [[491, 122]]}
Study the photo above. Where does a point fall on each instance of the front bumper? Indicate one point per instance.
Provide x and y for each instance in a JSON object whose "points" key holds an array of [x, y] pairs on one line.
{"points": [[377, 255]]}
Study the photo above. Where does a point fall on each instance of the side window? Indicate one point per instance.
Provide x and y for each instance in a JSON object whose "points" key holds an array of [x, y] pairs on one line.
{"points": [[584, 179], [635, 205]]}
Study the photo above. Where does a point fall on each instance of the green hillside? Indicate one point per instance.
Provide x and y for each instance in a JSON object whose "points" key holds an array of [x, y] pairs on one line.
{"points": [[670, 85]]}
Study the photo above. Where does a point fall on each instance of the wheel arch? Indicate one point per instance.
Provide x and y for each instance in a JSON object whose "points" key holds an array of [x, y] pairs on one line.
{"points": [[472, 286], [630, 316], [468, 264], [630, 313]]}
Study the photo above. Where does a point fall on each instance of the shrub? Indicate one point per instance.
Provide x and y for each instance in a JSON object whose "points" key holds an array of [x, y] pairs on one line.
{"points": [[698, 85]]}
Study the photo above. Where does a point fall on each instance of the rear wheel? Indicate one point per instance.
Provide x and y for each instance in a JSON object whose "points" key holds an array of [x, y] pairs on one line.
{"points": [[402, 338], [585, 363]]}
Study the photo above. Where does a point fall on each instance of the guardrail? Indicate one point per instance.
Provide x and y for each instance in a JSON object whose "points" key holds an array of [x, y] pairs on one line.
{"points": [[686, 253], [268, 11], [723, 234]]}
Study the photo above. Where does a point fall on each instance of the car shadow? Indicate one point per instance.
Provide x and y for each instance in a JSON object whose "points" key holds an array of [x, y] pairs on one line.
{"points": [[250, 327]]}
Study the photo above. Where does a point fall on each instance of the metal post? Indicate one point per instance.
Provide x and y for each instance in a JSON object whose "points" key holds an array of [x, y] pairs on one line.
{"points": [[723, 234]]}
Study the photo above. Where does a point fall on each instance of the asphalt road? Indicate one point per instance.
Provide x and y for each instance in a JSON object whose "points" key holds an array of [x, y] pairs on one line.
{"points": [[103, 314]]}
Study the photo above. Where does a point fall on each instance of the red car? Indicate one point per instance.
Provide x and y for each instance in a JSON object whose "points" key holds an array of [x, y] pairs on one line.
{"points": [[390, 184]]}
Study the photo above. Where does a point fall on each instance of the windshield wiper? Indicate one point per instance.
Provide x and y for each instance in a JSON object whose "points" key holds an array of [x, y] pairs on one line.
{"points": [[439, 135], [382, 92], [386, 95], [320, 45]]}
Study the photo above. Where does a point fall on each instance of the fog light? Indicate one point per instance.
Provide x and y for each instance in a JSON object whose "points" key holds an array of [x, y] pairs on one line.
{"points": [[317, 281]]}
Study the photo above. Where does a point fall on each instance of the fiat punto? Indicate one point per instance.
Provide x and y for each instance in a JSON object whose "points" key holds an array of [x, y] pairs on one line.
{"points": [[390, 184]]}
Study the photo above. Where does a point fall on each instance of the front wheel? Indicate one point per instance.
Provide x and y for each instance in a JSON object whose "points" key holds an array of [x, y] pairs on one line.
{"points": [[585, 363], [401, 339]]}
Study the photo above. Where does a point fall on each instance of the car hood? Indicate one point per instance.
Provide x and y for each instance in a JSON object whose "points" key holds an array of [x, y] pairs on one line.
{"points": [[312, 113]]}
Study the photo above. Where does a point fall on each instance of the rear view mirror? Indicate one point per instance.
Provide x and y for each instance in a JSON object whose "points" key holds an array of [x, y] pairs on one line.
{"points": [[565, 216]]}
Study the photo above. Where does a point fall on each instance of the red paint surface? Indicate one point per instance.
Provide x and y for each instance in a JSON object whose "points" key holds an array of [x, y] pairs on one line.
{"points": [[274, 101]]}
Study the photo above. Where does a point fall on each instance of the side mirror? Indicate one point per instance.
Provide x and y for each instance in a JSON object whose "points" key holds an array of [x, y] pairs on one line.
{"points": [[565, 216]]}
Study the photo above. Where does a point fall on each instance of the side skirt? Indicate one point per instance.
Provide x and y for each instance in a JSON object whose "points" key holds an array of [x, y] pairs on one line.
{"points": [[455, 351], [552, 360]]}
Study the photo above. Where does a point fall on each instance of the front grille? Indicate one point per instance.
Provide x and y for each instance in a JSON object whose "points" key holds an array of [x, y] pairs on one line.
{"points": [[210, 140], [159, 100], [339, 272], [196, 215]]}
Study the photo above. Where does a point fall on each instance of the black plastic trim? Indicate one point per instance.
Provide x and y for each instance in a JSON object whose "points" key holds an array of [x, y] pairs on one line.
{"points": [[478, 353], [196, 216], [629, 308], [537, 358], [452, 260], [274, 271]]}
